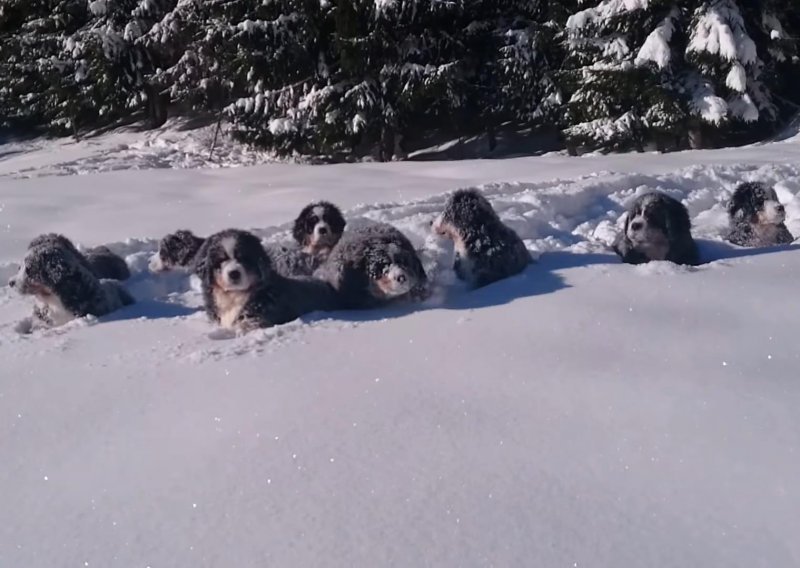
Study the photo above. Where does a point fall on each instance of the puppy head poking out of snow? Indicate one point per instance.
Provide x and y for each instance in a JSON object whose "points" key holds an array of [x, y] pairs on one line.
{"points": [[318, 227], [56, 275], [486, 250], [176, 250], [231, 265], [391, 271], [647, 227], [757, 216], [465, 211], [657, 227]]}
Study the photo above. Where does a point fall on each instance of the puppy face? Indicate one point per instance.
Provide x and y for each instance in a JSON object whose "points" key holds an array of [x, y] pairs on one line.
{"points": [[230, 264], [318, 227], [235, 266], [43, 270], [647, 228], [391, 272], [757, 204], [232, 260], [175, 250], [48, 273]]}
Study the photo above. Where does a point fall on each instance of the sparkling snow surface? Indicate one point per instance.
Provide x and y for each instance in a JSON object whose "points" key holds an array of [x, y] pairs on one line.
{"points": [[584, 413]]}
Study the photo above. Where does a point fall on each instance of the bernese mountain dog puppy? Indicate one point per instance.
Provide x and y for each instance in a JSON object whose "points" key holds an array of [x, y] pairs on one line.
{"points": [[757, 217], [486, 250], [176, 250], [318, 228], [657, 227], [101, 261], [64, 286], [242, 291], [374, 265]]}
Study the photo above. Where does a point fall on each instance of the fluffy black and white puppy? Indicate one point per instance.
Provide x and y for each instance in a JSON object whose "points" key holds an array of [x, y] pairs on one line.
{"points": [[486, 250], [99, 260], [657, 227], [318, 228], [176, 250], [374, 265], [757, 217], [65, 288], [242, 291]]}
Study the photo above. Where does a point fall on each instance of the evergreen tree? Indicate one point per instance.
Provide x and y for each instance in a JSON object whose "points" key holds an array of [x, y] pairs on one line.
{"points": [[346, 79], [624, 61], [32, 67]]}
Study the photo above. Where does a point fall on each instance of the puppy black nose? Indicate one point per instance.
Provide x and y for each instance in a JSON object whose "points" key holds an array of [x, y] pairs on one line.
{"points": [[234, 275], [12, 282], [323, 230], [636, 226]]}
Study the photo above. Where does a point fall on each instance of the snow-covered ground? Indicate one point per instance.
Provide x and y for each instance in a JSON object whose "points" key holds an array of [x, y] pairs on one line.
{"points": [[585, 413]]}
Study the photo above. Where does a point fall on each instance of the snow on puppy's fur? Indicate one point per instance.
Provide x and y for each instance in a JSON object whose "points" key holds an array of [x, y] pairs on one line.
{"points": [[241, 291], [65, 288], [757, 217], [176, 250], [373, 265], [657, 227], [318, 227], [99, 260], [486, 249]]}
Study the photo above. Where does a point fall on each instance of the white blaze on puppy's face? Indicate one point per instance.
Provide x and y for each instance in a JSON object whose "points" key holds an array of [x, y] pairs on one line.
{"points": [[231, 276], [321, 234], [646, 238]]}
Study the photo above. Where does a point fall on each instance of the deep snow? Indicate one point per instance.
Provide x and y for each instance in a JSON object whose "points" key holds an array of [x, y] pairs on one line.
{"points": [[585, 413]]}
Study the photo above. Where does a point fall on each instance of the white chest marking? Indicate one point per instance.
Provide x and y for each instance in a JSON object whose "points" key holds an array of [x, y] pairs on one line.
{"points": [[229, 306]]}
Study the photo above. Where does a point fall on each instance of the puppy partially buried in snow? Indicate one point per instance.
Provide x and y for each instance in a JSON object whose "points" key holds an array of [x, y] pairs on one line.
{"points": [[757, 217], [101, 261], [374, 265], [242, 291], [176, 250], [318, 228], [486, 250], [657, 227], [63, 284]]}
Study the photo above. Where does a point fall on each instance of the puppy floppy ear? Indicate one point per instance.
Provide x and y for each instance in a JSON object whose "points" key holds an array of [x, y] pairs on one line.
{"points": [[677, 222], [263, 264], [202, 263], [299, 232], [338, 222]]}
